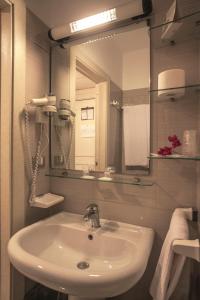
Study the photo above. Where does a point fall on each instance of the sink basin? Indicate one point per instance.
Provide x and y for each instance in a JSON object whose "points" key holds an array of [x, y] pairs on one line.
{"points": [[64, 254]]}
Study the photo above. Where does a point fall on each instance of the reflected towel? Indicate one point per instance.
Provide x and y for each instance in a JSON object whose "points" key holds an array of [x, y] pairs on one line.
{"points": [[170, 265], [136, 124]]}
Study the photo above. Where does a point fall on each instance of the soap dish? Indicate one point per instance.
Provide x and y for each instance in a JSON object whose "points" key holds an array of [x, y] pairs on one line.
{"points": [[105, 178], [87, 177], [46, 200]]}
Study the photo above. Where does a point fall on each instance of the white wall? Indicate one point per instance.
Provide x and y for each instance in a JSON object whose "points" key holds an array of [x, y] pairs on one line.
{"points": [[136, 69], [60, 73], [125, 58], [107, 57]]}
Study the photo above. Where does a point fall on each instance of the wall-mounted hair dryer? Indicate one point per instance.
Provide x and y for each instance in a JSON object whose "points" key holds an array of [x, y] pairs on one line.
{"points": [[44, 106], [64, 125], [34, 156], [65, 111], [48, 103]]}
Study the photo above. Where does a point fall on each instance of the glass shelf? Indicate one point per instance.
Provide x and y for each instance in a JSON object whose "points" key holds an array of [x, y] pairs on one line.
{"points": [[179, 19], [194, 87], [121, 179], [179, 30], [174, 156], [190, 90]]}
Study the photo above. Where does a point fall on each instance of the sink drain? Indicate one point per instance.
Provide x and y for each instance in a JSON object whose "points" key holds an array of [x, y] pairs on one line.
{"points": [[83, 265]]}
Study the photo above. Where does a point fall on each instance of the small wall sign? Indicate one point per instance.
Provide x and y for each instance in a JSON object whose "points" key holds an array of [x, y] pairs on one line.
{"points": [[87, 113]]}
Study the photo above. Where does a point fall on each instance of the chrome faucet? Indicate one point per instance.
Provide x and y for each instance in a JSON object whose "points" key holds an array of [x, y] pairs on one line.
{"points": [[92, 215]]}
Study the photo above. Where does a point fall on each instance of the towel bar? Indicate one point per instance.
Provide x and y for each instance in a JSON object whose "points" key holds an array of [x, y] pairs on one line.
{"points": [[188, 248]]}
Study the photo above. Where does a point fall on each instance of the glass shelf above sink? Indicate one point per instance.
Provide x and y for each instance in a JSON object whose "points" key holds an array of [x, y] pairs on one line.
{"points": [[185, 18], [97, 177], [169, 93], [192, 87], [174, 156], [180, 30]]}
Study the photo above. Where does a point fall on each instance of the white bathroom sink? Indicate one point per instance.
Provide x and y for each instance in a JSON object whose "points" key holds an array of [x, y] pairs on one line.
{"points": [[114, 256]]}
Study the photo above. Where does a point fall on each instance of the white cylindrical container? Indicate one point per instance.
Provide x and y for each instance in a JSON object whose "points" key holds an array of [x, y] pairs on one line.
{"points": [[189, 146], [170, 83]]}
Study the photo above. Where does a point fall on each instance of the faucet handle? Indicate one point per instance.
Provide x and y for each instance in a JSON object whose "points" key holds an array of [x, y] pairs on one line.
{"points": [[92, 207], [92, 215]]}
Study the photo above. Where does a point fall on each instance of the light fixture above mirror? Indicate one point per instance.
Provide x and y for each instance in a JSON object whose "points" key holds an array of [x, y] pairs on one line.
{"points": [[95, 20], [105, 21]]}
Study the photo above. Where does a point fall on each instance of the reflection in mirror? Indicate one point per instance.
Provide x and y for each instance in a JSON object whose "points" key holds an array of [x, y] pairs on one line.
{"points": [[103, 120]]}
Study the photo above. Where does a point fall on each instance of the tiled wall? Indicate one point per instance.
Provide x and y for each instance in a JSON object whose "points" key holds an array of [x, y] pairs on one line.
{"points": [[175, 181], [136, 96]]}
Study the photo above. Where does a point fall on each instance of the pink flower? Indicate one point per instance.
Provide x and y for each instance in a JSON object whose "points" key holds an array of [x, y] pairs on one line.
{"points": [[176, 144], [169, 150], [165, 151], [174, 140]]}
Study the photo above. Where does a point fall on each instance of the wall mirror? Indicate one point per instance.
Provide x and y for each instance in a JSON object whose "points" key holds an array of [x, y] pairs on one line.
{"points": [[102, 90]]}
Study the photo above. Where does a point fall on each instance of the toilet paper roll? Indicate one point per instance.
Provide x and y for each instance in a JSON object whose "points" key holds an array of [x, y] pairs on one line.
{"points": [[170, 80]]}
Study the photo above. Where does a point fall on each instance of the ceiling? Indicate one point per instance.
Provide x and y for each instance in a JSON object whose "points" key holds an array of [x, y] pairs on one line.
{"points": [[58, 12]]}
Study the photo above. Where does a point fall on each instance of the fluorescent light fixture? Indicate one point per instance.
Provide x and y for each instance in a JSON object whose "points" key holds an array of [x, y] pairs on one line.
{"points": [[117, 17], [92, 21]]}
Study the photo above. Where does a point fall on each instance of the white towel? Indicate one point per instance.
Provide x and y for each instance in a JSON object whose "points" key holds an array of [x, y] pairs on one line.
{"points": [[136, 123], [170, 265]]}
